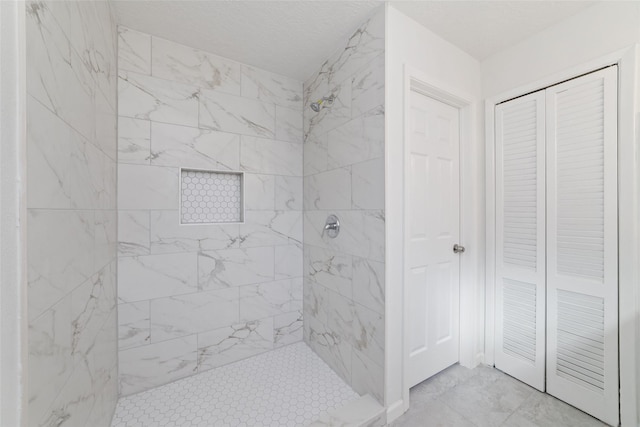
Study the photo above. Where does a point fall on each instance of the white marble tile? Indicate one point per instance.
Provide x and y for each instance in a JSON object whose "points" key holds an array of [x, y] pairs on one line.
{"points": [[235, 267], [297, 294], [182, 315], [315, 154], [133, 324], [292, 384], [100, 53], [230, 113], [270, 156], [176, 62], [106, 401], [368, 283], [133, 233], [288, 191], [367, 336], [106, 127], [74, 400], [329, 190], [266, 228], [134, 51], [149, 366], [259, 191], [57, 264], [366, 43], [168, 235], [65, 171], [316, 302], [358, 140], [361, 233], [134, 141], [330, 116], [50, 364], [267, 299], [156, 276], [273, 88], [329, 269], [182, 146], [91, 305], [332, 348], [147, 187], [367, 184], [56, 75], [289, 125], [313, 224], [103, 356], [367, 87], [288, 261], [150, 98], [104, 251], [233, 343], [287, 328]]}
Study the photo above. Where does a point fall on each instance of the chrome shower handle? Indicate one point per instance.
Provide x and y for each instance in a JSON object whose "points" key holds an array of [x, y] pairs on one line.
{"points": [[331, 226]]}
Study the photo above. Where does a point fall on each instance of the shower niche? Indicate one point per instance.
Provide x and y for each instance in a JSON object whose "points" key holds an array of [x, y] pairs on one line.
{"points": [[211, 197]]}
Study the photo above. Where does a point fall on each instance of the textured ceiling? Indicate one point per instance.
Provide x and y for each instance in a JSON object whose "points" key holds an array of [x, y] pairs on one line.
{"points": [[294, 37], [291, 38], [482, 28]]}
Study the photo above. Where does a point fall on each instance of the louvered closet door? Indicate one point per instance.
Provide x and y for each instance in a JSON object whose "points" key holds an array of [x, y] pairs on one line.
{"points": [[520, 221], [582, 258]]}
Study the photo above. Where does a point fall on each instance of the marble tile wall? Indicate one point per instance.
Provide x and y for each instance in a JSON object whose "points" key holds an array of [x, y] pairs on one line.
{"points": [[344, 175], [195, 297], [71, 202]]}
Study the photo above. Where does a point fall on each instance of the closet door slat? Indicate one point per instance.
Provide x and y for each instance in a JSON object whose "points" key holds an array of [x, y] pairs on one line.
{"points": [[582, 257], [520, 257]]}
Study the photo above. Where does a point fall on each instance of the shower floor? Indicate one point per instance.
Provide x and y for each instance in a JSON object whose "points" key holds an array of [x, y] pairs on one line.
{"points": [[290, 386]]}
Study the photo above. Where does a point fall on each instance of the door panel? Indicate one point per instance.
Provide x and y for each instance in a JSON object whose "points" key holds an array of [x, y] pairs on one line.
{"points": [[520, 239], [582, 257], [432, 276]]}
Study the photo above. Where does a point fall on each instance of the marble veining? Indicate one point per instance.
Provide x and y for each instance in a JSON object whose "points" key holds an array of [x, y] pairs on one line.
{"points": [[134, 51], [175, 62], [181, 146], [270, 87], [71, 143], [150, 98], [344, 174], [194, 297], [229, 113]]}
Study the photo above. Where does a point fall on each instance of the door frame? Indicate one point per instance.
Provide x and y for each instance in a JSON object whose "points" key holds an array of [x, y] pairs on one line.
{"points": [[13, 268], [416, 80], [628, 210]]}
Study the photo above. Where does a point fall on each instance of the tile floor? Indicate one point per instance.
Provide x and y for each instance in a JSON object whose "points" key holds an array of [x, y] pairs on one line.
{"points": [[290, 386], [460, 397]]}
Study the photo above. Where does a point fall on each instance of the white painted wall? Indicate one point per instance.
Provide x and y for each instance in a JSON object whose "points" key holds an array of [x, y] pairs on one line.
{"points": [[606, 29], [594, 32], [12, 268], [410, 44]]}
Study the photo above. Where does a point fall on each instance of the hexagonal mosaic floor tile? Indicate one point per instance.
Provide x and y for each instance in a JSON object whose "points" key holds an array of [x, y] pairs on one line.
{"points": [[290, 386]]}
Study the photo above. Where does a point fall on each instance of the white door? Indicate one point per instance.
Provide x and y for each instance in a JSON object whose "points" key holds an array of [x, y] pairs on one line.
{"points": [[520, 239], [582, 244], [433, 209]]}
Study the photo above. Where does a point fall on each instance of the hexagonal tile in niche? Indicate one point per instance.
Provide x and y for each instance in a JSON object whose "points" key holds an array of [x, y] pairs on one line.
{"points": [[210, 197]]}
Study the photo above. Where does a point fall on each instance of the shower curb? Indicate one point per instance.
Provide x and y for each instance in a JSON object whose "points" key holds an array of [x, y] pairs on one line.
{"points": [[362, 412]]}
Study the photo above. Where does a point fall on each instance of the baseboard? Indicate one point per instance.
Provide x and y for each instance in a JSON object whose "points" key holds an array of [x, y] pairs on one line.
{"points": [[395, 410]]}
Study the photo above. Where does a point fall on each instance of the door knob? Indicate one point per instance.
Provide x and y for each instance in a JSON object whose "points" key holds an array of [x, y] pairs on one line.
{"points": [[457, 249]]}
